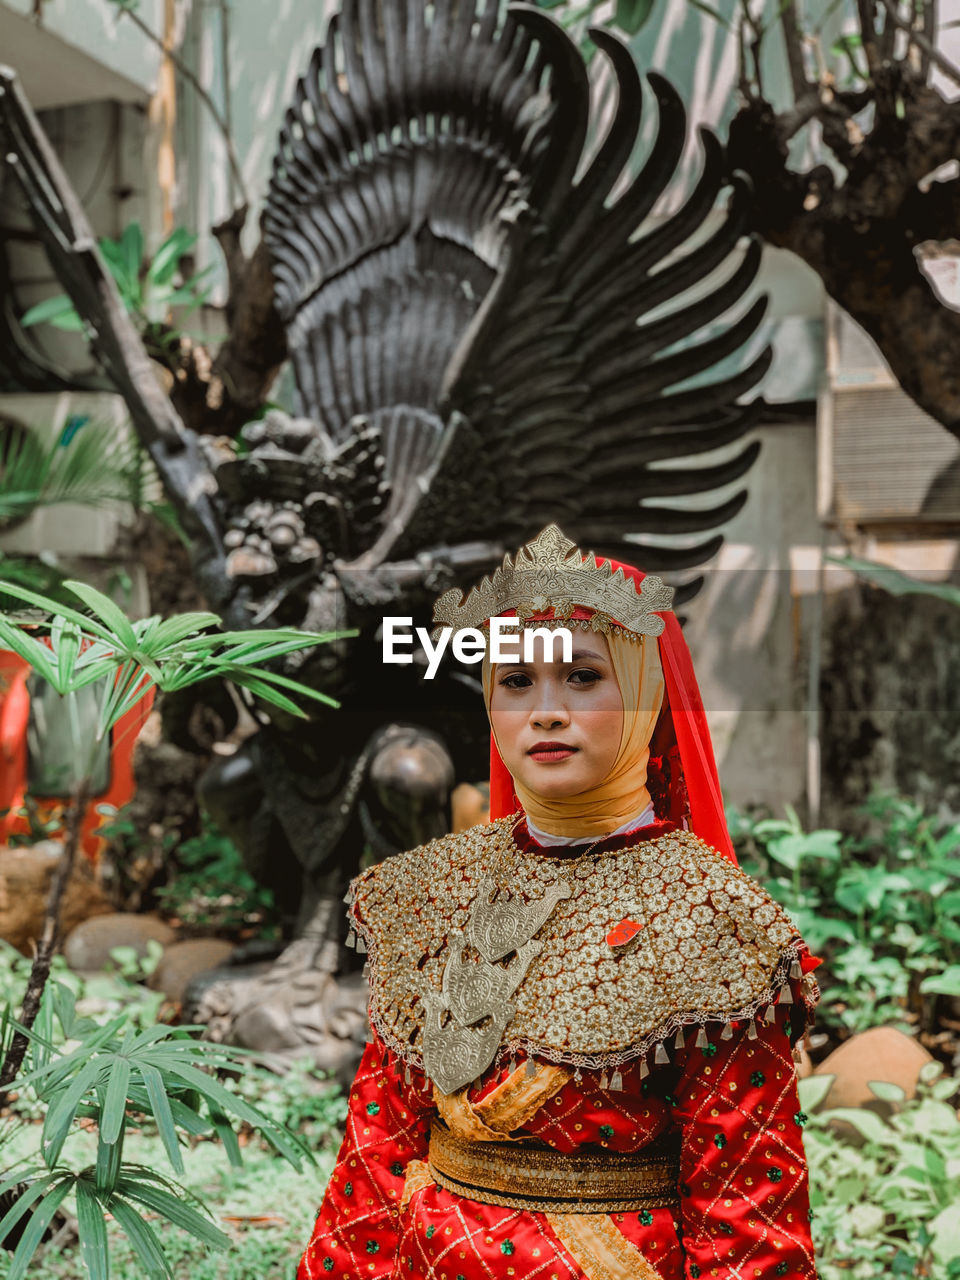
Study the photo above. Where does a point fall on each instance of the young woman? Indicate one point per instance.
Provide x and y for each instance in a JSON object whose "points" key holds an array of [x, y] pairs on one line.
{"points": [[583, 1011]]}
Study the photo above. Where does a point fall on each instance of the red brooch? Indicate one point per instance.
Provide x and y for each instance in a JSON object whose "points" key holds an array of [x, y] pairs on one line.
{"points": [[623, 932]]}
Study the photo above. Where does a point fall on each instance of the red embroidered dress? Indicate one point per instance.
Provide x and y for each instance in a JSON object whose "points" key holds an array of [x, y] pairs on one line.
{"points": [[731, 1101]]}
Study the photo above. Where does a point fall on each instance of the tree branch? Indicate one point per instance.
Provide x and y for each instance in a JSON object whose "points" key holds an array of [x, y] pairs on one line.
{"points": [[793, 39], [203, 94], [47, 944], [930, 52]]}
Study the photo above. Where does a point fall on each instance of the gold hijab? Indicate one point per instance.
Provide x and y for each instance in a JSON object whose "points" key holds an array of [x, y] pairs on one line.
{"points": [[624, 793]]}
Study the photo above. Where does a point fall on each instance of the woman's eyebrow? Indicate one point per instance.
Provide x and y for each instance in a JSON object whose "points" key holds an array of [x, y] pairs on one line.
{"points": [[578, 655]]}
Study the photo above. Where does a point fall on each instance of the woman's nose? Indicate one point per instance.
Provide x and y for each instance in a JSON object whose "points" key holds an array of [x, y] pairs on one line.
{"points": [[549, 717]]}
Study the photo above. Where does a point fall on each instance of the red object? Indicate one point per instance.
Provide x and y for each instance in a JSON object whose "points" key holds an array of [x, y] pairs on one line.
{"points": [[682, 738], [14, 712], [744, 1193], [14, 716], [623, 932]]}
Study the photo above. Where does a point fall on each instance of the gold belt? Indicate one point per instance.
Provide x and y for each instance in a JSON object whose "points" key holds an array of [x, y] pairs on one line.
{"points": [[521, 1176]]}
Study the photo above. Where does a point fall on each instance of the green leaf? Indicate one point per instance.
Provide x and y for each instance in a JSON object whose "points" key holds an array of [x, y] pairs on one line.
{"points": [[30, 649], [219, 1098], [174, 1210], [102, 607], [174, 630], [53, 1077], [894, 581], [813, 1090], [225, 1132], [63, 1109], [162, 1113], [164, 264], [54, 608], [271, 695], [115, 258], [143, 1239], [94, 1249], [188, 1119], [887, 1091], [64, 1006], [943, 984], [36, 1228], [131, 244], [631, 15], [51, 311], [945, 1230], [931, 1071], [114, 1110], [23, 1203], [258, 686], [65, 639], [867, 1123]]}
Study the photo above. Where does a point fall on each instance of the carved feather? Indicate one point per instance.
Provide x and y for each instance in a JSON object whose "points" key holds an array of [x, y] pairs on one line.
{"points": [[520, 338]]}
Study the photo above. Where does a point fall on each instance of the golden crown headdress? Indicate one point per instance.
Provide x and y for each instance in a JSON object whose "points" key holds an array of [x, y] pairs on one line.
{"points": [[552, 572]]}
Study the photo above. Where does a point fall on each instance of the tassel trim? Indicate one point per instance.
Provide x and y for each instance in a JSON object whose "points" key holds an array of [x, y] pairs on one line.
{"points": [[787, 968]]}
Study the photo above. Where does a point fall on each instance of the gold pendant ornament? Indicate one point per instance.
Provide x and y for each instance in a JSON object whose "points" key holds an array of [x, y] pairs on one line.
{"points": [[456, 1051]]}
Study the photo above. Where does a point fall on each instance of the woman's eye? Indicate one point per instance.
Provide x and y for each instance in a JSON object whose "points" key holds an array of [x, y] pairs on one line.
{"points": [[516, 681], [584, 676]]}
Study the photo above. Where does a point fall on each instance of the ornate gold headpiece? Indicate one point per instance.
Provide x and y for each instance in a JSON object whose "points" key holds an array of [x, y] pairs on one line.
{"points": [[551, 572]]}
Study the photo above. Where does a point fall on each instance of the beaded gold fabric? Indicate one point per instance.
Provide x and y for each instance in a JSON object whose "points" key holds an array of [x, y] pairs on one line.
{"points": [[713, 945]]}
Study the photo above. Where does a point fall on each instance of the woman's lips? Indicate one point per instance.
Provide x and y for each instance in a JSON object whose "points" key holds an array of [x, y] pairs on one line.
{"points": [[550, 752]]}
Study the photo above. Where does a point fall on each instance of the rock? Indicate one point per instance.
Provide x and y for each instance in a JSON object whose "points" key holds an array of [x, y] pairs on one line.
{"points": [[25, 877], [293, 1010], [882, 1053], [804, 1066], [183, 961], [470, 805], [89, 945]]}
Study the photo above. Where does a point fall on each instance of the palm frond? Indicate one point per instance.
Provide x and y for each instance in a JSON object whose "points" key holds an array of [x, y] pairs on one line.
{"points": [[95, 465]]}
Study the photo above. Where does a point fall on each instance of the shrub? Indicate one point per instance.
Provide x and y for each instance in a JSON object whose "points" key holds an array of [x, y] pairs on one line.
{"points": [[884, 1197]]}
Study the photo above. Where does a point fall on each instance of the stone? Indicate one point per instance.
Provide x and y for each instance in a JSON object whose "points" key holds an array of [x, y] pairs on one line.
{"points": [[26, 874], [183, 961], [881, 1053], [469, 805], [88, 947], [804, 1066], [292, 1011]]}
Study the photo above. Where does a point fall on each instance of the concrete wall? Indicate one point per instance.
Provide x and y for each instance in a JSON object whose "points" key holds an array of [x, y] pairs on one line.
{"points": [[751, 627], [79, 50]]}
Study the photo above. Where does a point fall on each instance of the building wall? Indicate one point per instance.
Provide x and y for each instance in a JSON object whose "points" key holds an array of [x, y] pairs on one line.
{"points": [[75, 50]]}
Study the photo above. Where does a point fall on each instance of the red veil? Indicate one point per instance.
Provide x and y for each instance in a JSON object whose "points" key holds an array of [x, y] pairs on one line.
{"points": [[682, 773]]}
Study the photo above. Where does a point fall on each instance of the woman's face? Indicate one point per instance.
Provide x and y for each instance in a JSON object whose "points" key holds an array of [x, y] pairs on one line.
{"points": [[558, 724]]}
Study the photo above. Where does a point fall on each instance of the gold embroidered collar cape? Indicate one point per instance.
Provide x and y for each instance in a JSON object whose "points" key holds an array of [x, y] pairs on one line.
{"points": [[713, 945]]}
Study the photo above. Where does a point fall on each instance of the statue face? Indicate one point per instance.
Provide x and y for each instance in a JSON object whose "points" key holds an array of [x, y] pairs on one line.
{"points": [[558, 724]]}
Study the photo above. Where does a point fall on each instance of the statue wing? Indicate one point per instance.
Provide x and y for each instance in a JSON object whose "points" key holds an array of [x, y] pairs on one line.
{"points": [[590, 371], [416, 140], [72, 248], [523, 340]]}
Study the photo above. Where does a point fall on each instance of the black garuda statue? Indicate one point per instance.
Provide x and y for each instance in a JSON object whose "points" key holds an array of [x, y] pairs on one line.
{"points": [[489, 329]]}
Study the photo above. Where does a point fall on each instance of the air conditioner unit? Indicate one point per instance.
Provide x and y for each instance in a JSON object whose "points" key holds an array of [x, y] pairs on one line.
{"points": [[65, 529], [882, 462]]}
